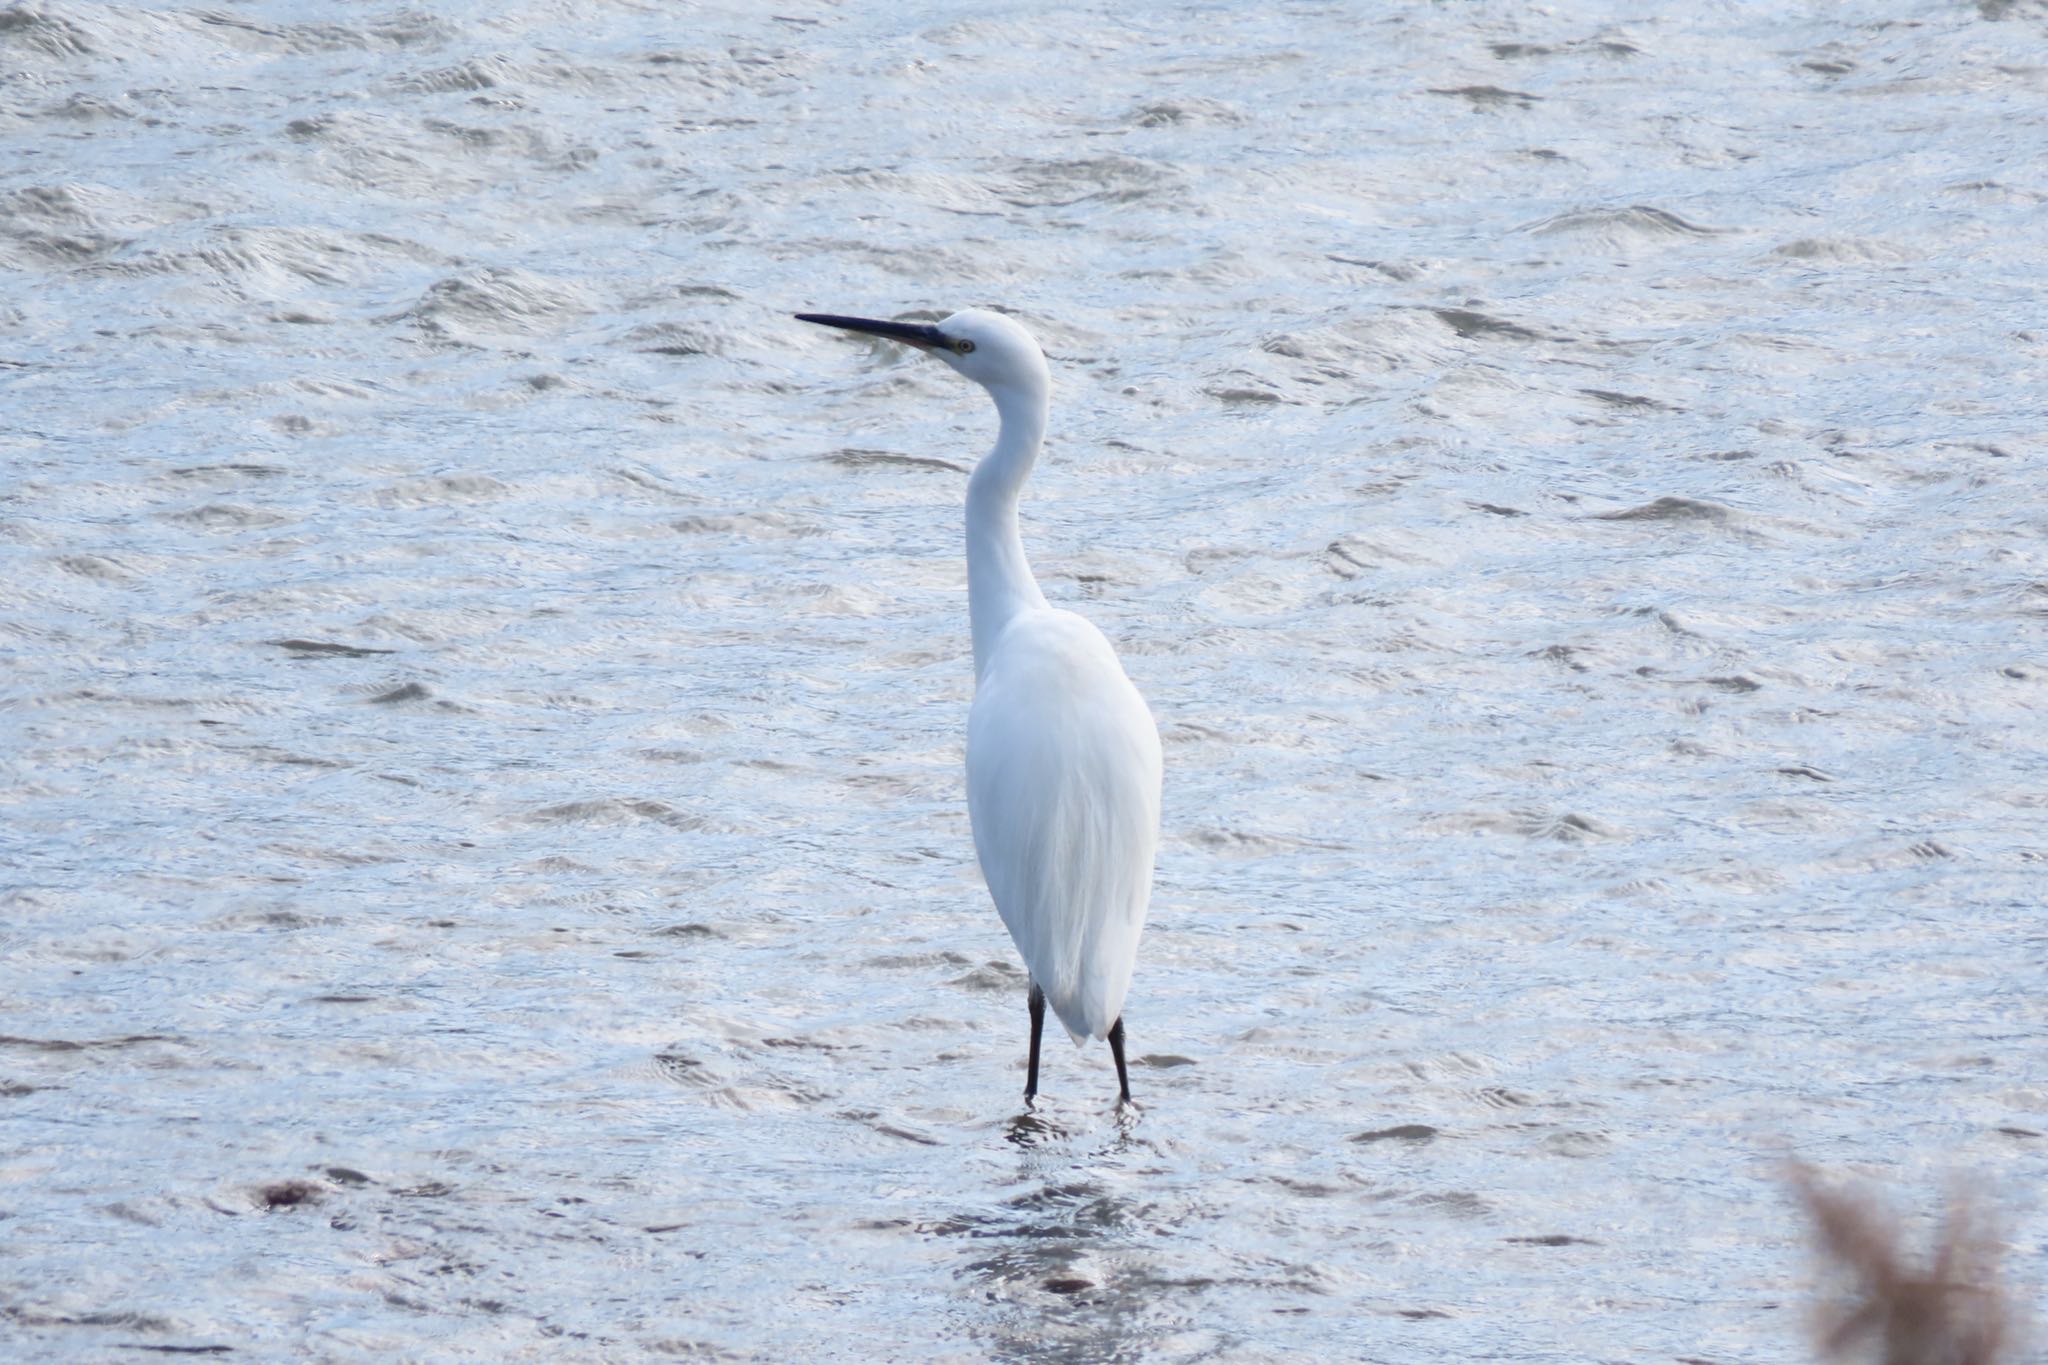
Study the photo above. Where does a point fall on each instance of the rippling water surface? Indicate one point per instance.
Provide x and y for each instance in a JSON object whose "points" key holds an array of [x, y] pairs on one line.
{"points": [[484, 861]]}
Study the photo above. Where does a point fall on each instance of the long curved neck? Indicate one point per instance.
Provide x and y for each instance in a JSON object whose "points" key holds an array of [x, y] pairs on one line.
{"points": [[999, 581]]}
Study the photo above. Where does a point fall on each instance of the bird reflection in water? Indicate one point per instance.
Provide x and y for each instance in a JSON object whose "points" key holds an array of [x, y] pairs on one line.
{"points": [[1067, 1275]]}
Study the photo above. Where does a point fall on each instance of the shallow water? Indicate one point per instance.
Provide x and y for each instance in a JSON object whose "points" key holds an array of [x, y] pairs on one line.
{"points": [[485, 865]]}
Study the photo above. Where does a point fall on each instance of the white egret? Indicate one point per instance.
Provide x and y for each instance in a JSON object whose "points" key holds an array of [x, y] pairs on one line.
{"points": [[1063, 768]]}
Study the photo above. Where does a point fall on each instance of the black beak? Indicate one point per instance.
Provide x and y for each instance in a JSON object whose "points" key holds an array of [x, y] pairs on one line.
{"points": [[920, 334]]}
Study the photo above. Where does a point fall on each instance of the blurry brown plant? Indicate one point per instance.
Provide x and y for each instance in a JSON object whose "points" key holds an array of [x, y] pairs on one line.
{"points": [[1892, 1310]]}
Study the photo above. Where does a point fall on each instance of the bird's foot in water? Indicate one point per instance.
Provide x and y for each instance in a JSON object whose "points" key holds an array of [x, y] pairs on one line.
{"points": [[1127, 1113]]}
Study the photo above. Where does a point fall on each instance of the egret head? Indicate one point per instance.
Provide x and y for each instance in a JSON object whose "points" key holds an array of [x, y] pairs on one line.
{"points": [[987, 347]]}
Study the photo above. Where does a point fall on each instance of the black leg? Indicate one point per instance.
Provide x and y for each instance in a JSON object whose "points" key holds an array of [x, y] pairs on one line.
{"points": [[1116, 1050], [1037, 1027]]}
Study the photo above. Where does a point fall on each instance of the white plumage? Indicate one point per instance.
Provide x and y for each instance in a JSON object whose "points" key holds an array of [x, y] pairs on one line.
{"points": [[1063, 765], [1063, 780]]}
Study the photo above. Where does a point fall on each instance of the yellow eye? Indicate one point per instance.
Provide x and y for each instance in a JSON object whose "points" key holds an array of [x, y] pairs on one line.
{"points": [[964, 346]]}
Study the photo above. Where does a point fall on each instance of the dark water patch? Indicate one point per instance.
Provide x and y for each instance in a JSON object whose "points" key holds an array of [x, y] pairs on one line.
{"points": [[478, 73], [1400, 1132], [328, 649], [890, 1129], [1504, 1097], [106, 568], [1551, 1239], [1184, 110], [1032, 1129], [1394, 270], [1467, 323], [1578, 1144], [805, 1045], [230, 471], [614, 810], [425, 1189], [1251, 842], [675, 755], [869, 459], [919, 961], [1344, 563], [1065, 183], [1240, 395], [1489, 96], [440, 490], [58, 224], [85, 1045], [84, 108], [1082, 1207], [288, 920], [495, 300], [748, 525], [1630, 401], [34, 28], [223, 516], [1568, 655], [1841, 251], [1567, 828], [685, 1069], [288, 1194], [141, 1322], [1674, 509], [268, 260], [679, 339], [395, 32], [995, 975], [404, 692], [1460, 1204], [1641, 221]]}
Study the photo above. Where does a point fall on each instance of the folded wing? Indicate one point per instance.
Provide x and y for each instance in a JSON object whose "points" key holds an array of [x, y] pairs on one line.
{"points": [[1063, 774]]}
